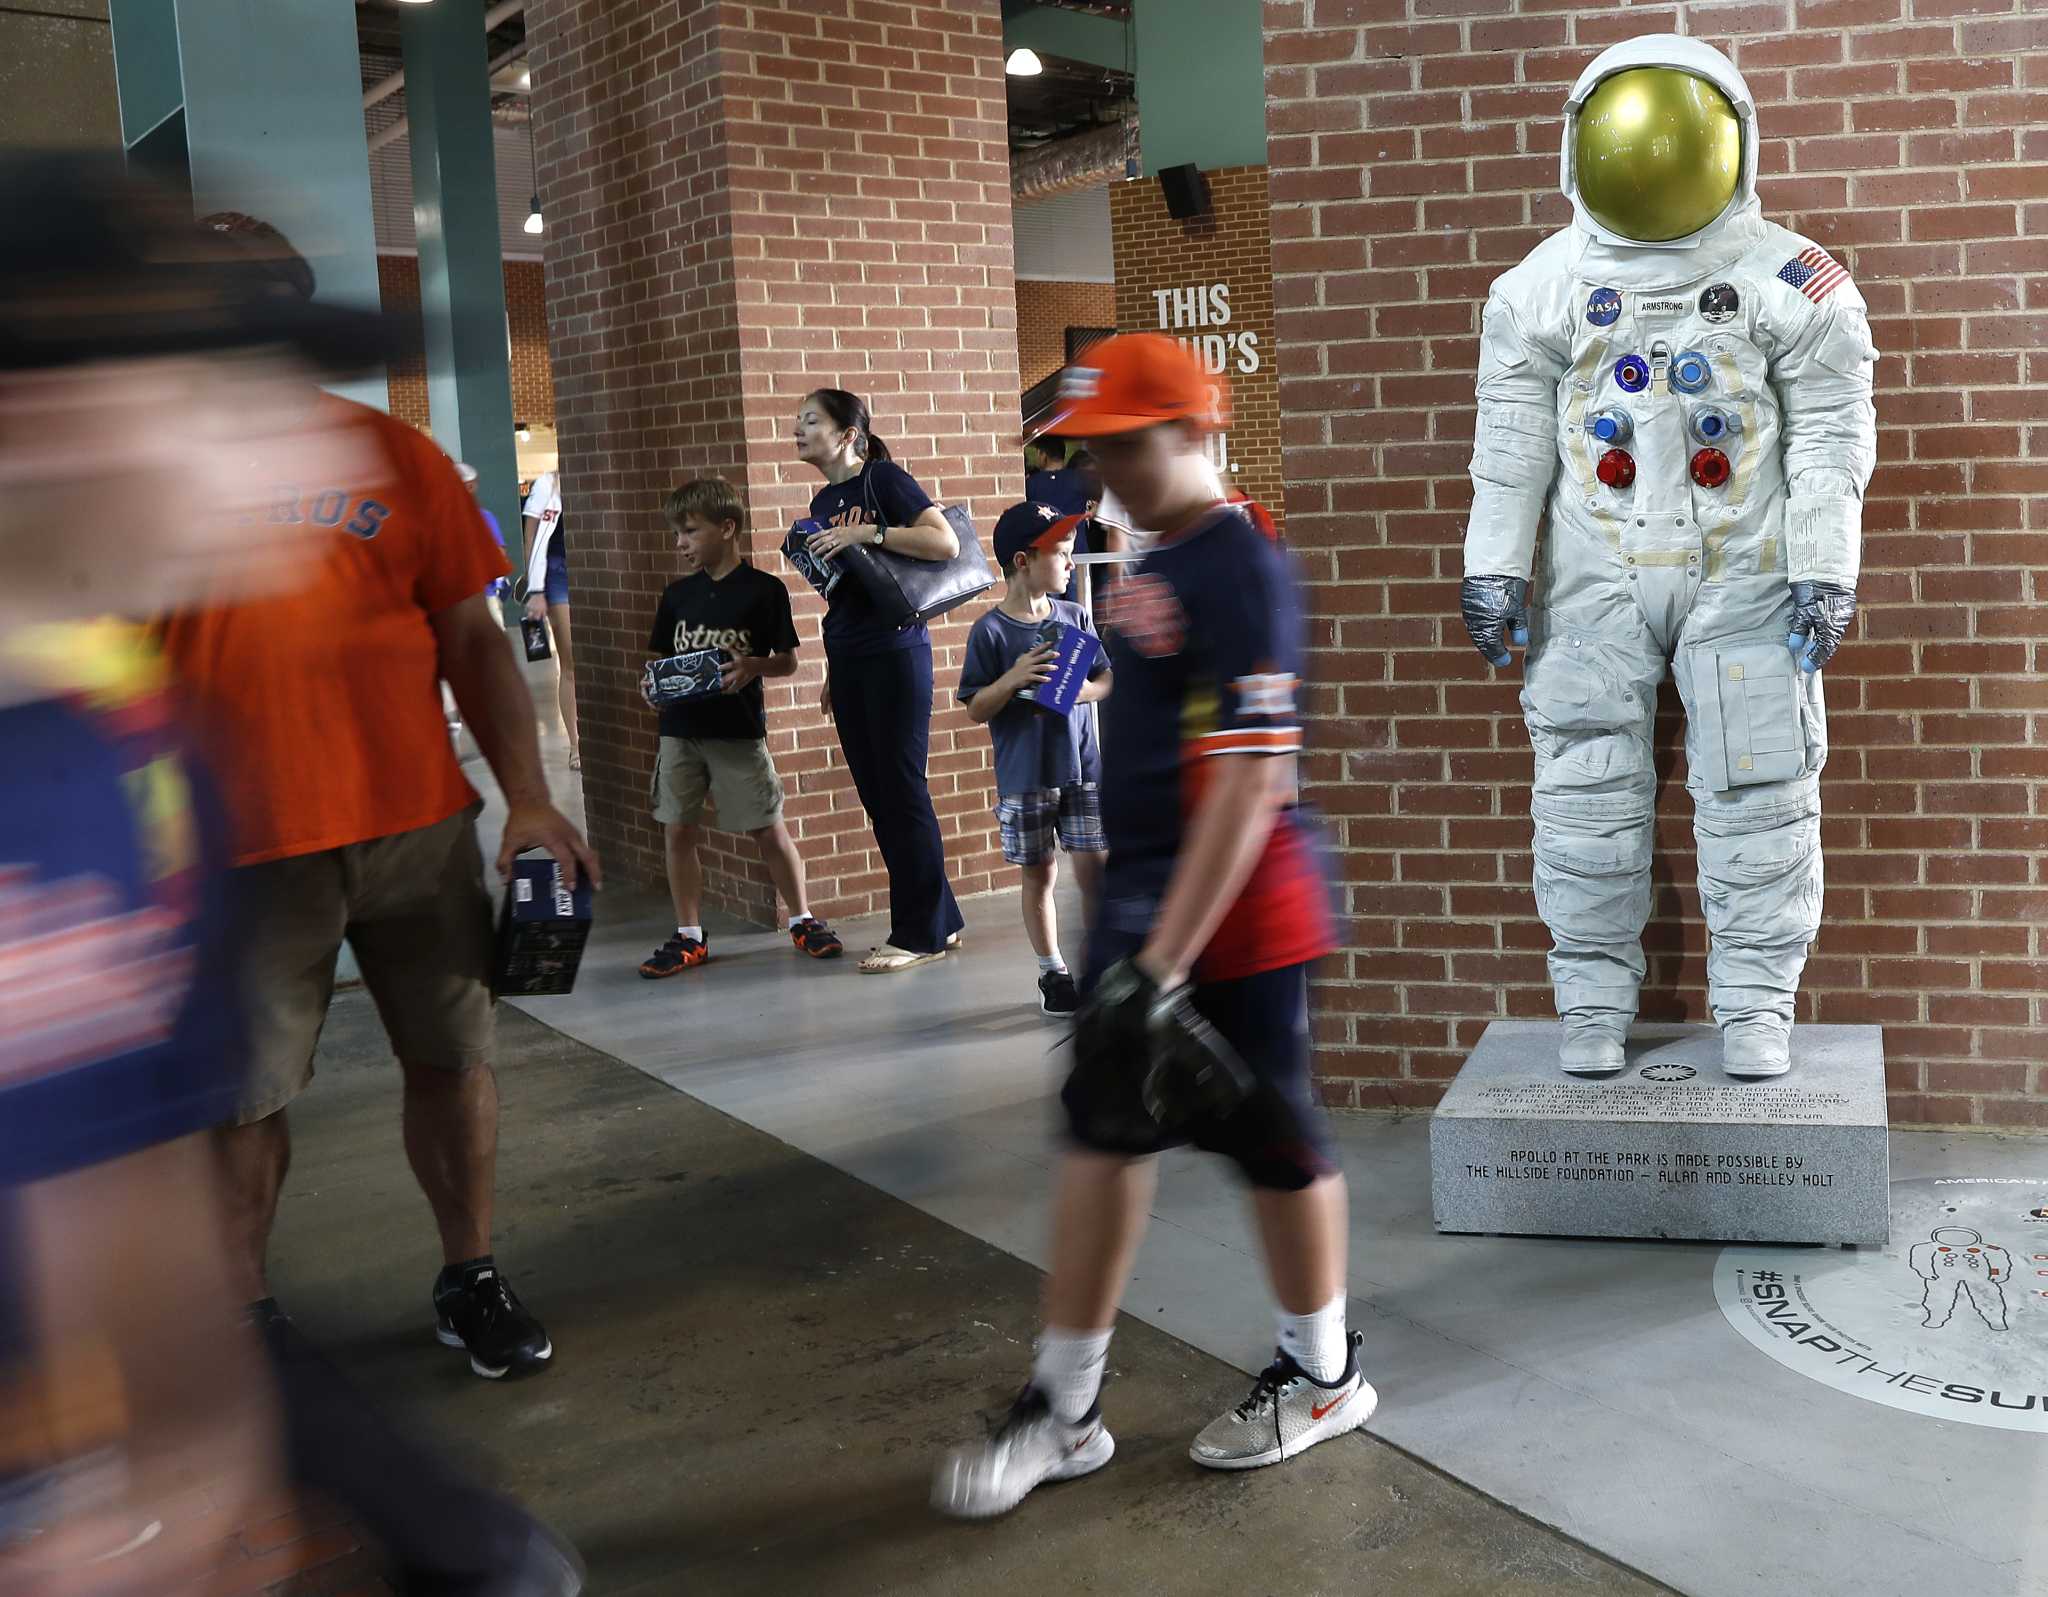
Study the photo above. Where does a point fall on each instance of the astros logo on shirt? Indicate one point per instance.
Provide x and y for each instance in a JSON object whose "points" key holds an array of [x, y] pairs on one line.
{"points": [[1147, 614]]}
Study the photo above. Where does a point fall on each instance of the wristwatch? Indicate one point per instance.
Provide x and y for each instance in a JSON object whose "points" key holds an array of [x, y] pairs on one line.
{"points": [[877, 539]]}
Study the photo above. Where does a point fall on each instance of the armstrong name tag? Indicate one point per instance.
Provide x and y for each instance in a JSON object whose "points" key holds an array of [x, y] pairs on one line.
{"points": [[1663, 307]]}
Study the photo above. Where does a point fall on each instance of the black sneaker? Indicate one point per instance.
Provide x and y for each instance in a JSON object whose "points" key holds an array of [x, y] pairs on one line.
{"points": [[679, 953], [815, 938], [1057, 994], [481, 1313]]}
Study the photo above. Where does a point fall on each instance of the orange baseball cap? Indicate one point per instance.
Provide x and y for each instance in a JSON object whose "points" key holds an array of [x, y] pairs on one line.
{"points": [[1136, 380]]}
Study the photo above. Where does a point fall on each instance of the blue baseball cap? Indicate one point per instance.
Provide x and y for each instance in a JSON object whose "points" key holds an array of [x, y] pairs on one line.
{"points": [[1031, 525]]}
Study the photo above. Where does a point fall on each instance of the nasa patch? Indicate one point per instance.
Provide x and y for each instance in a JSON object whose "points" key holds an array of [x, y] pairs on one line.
{"points": [[1603, 307]]}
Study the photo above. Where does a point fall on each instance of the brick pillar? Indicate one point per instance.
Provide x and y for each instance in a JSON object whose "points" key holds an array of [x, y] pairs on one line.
{"points": [[745, 202], [1414, 158]]}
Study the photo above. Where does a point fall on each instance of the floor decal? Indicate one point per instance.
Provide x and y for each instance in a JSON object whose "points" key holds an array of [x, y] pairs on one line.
{"points": [[1949, 1320]]}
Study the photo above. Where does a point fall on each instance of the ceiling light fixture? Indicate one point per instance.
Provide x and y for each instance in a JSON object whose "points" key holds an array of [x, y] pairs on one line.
{"points": [[534, 222], [1023, 63]]}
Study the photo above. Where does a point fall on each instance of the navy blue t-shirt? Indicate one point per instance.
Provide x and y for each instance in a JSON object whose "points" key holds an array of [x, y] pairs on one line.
{"points": [[882, 491], [1205, 635], [1035, 749], [115, 986]]}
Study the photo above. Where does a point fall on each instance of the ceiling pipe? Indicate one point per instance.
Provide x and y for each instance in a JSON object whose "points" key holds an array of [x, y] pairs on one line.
{"points": [[1102, 155], [384, 88]]}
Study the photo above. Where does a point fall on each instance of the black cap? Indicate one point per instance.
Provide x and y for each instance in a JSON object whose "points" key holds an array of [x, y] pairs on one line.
{"points": [[112, 266], [1031, 525]]}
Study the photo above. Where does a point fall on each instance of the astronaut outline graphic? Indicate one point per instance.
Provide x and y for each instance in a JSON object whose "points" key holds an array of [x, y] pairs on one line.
{"points": [[1690, 417], [1957, 1263]]}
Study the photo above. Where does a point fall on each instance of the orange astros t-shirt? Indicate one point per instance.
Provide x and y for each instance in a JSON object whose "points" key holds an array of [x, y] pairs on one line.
{"points": [[322, 707]]}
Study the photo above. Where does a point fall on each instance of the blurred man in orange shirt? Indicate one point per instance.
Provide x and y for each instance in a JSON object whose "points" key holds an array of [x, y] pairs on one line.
{"points": [[352, 821]]}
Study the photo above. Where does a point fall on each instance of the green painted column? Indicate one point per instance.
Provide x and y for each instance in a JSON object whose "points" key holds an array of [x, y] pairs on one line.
{"points": [[1201, 83], [462, 278], [266, 97]]}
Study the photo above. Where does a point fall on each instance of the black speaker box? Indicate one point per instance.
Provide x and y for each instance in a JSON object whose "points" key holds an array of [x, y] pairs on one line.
{"points": [[1186, 191]]}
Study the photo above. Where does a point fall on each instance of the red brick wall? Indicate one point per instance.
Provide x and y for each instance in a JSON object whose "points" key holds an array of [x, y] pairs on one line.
{"points": [[1045, 310], [405, 378], [526, 306], [533, 387], [1155, 254], [1413, 149], [755, 200]]}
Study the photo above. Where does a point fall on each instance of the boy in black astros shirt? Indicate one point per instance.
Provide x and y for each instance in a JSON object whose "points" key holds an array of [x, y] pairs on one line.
{"points": [[716, 746]]}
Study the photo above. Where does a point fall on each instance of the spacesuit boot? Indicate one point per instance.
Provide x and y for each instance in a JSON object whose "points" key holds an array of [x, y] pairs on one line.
{"points": [[1756, 1048], [1591, 1050], [1678, 392]]}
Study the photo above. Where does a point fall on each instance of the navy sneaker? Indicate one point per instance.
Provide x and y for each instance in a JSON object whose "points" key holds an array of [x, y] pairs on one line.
{"points": [[1057, 994]]}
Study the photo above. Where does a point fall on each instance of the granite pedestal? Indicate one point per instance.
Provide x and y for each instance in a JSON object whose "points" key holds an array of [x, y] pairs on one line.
{"points": [[1668, 1147]]}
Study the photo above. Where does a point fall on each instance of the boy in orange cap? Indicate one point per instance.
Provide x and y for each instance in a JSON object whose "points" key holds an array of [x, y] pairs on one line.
{"points": [[1194, 1025]]}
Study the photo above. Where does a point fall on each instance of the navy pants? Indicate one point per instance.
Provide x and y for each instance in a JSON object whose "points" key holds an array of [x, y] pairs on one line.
{"points": [[882, 704]]}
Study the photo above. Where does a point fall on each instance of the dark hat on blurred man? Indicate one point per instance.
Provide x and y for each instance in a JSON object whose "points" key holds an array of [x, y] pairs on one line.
{"points": [[114, 267]]}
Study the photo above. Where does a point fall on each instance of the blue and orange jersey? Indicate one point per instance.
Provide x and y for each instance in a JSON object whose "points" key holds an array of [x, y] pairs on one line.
{"points": [[1205, 638], [115, 1029]]}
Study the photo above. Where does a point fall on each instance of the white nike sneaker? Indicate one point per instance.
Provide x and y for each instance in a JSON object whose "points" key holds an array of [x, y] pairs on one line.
{"points": [[1288, 1412], [1032, 1446]]}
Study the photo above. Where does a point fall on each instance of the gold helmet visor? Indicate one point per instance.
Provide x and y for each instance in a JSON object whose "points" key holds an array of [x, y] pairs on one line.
{"points": [[1656, 154]]}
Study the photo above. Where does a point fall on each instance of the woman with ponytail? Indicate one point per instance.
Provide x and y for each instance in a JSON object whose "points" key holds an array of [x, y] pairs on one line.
{"points": [[878, 680]]}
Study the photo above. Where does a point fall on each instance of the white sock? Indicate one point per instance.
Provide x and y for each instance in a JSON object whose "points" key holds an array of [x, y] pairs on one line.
{"points": [[797, 920], [1068, 1370], [694, 933], [1316, 1341], [1048, 963]]}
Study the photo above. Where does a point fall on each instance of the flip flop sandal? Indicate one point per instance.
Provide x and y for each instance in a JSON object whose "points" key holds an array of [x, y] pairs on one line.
{"points": [[889, 959]]}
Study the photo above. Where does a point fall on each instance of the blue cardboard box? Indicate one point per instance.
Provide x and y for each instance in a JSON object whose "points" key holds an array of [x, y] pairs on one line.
{"points": [[1075, 652], [542, 927]]}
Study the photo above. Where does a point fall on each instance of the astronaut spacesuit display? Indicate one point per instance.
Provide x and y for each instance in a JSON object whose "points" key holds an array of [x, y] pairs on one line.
{"points": [[1685, 388]]}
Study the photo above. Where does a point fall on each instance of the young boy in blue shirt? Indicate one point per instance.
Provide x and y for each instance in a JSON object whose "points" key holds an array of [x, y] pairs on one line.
{"points": [[1047, 764]]}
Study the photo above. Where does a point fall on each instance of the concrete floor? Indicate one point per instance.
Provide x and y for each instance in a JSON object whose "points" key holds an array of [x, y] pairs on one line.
{"points": [[1594, 1386], [760, 1357]]}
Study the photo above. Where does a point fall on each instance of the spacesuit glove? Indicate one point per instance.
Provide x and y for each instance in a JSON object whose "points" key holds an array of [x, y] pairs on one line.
{"points": [[1183, 1065], [1821, 613], [1496, 613]]}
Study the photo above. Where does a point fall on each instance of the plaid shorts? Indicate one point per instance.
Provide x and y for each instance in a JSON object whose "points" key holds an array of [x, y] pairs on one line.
{"points": [[1030, 820]]}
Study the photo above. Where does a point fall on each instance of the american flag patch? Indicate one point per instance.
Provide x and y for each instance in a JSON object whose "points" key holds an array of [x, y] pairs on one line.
{"points": [[1814, 272]]}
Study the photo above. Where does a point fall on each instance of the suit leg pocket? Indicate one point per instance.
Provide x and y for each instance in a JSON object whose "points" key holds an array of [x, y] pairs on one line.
{"points": [[1746, 693]]}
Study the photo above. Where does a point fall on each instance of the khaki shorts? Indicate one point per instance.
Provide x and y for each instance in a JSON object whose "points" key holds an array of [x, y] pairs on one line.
{"points": [[736, 773], [412, 906]]}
